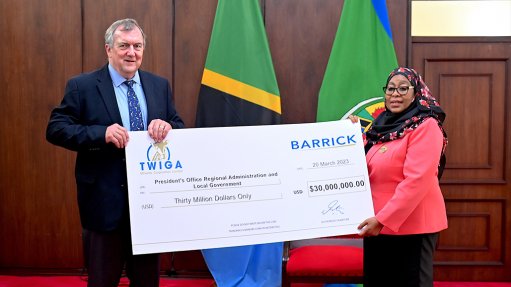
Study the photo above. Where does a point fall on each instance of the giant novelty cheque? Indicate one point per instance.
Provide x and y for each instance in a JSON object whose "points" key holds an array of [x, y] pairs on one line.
{"points": [[218, 187]]}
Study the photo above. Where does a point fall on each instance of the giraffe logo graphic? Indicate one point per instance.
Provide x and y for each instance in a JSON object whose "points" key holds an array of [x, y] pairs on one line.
{"points": [[158, 158], [161, 150]]}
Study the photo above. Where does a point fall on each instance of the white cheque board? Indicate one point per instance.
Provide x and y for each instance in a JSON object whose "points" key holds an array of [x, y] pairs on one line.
{"points": [[217, 187]]}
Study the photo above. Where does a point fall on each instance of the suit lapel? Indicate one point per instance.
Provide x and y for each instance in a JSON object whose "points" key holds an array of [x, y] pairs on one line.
{"points": [[106, 90], [149, 91]]}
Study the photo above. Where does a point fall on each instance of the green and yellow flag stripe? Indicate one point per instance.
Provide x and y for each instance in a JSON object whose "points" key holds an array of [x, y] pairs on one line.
{"points": [[241, 90]]}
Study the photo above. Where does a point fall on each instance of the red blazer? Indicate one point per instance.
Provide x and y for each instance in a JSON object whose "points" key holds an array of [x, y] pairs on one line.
{"points": [[403, 175]]}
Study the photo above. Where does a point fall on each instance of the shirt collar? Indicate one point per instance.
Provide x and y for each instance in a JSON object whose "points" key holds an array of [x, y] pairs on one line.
{"points": [[118, 80]]}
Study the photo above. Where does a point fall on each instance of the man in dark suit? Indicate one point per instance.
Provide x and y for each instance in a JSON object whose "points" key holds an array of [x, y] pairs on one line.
{"points": [[94, 117]]}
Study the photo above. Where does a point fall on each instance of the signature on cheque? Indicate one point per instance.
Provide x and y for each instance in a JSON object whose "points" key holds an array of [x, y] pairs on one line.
{"points": [[334, 207]]}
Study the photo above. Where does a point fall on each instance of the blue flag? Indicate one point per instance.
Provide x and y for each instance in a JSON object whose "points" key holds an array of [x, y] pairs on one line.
{"points": [[246, 266]]}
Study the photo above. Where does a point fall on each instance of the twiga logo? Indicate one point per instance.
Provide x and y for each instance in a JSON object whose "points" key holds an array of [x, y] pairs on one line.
{"points": [[158, 158]]}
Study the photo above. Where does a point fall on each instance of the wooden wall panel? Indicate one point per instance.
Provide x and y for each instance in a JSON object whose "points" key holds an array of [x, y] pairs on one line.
{"points": [[474, 237], [193, 25], [470, 77], [300, 34], [474, 248], [477, 85], [38, 214], [399, 16]]}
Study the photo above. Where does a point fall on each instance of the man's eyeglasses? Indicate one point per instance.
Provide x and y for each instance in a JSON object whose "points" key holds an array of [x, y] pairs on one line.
{"points": [[403, 90], [126, 46]]}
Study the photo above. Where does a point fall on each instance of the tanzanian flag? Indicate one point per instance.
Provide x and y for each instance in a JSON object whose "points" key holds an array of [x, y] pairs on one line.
{"points": [[239, 88], [361, 59]]}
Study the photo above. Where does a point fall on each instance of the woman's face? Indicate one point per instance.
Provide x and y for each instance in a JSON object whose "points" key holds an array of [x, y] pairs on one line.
{"points": [[399, 94]]}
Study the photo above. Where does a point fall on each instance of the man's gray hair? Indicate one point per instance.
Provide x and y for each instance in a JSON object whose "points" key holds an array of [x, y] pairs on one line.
{"points": [[126, 25]]}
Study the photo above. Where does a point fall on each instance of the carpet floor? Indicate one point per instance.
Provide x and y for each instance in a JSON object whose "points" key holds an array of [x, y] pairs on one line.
{"points": [[77, 281]]}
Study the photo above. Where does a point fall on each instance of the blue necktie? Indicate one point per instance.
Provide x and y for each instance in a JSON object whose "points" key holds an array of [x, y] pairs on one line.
{"points": [[136, 122]]}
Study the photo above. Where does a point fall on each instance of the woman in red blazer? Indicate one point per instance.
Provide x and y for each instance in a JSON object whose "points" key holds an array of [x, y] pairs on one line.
{"points": [[405, 156]]}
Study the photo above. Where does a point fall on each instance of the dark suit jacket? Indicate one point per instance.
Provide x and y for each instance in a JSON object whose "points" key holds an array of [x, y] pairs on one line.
{"points": [[79, 123]]}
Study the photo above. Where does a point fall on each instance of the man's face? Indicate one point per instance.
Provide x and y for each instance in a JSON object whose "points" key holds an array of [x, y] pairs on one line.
{"points": [[126, 53]]}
